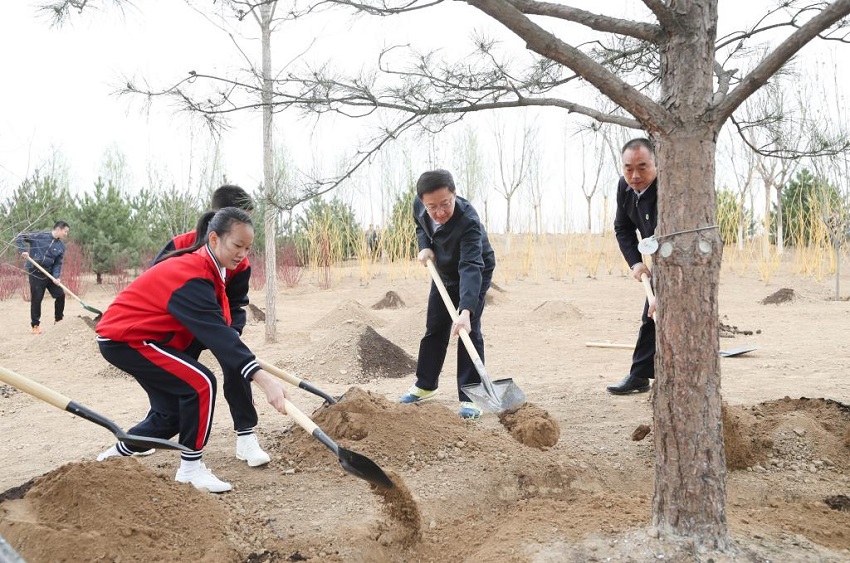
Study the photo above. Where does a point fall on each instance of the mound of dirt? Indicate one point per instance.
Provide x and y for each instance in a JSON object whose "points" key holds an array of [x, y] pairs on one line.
{"points": [[115, 510], [347, 312], [788, 434], [380, 357], [532, 426], [394, 432], [783, 295], [353, 353], [391, 300], [72, 338], [558, 310]]}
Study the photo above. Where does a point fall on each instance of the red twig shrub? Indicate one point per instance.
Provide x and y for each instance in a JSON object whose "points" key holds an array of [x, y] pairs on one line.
{"points": [[119, 277], [289, 269], [258, 270], [11, 280], [75, 263]]}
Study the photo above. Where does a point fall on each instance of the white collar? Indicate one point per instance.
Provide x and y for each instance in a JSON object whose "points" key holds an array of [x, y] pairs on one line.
{"points": [[221, 271]]}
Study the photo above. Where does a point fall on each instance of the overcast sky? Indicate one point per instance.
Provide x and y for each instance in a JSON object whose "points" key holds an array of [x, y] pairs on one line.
{"points": [[59, 84]]}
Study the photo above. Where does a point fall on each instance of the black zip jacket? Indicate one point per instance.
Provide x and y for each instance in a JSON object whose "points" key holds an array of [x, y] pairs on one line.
{"points": [[44, 249], [635, 214], [462, 252]]}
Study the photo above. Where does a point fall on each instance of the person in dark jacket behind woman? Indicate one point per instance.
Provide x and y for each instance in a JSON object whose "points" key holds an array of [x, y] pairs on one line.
{"points": [[450, 234], [48, 250], [237, 391], [637, 196], [152, 323]]}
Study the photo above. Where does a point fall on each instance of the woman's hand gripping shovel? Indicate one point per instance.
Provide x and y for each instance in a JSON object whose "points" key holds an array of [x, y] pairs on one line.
{"points": [[492, 396], [66, 290], [62, 402], [295, 380]]}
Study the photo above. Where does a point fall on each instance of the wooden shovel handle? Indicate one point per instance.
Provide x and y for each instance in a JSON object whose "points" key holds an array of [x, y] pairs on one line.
{"points": [[467, 341], [647, 288], [34, 388], [51, 278], [302, 419]]}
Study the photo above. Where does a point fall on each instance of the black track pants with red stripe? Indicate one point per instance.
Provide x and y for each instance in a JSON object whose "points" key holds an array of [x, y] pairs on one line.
{"points": [[181, 391]]}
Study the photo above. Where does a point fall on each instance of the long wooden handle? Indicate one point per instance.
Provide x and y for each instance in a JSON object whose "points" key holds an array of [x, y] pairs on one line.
{"points": [[467, 341], [647, 287], [54, 280], [609, 345], [35, 389], [280, 373], [302, 419]]}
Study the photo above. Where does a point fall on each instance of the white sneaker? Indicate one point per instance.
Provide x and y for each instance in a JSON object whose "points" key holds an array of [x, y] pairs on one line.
{"points": [[248, 449], [202, 478], [113, 452]]}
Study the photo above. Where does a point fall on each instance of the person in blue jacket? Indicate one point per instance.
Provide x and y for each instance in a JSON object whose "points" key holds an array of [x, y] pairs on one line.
{"points": [[48, 250], [450, 234]]}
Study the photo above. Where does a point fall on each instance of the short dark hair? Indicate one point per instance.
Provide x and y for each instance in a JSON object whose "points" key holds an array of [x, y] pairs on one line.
{"points": [[433, 180], [638, 143], [230, 195], [61, 225]]}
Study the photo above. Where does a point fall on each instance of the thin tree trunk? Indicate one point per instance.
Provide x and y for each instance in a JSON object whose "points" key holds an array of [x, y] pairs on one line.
{"points": [[270, 219]]}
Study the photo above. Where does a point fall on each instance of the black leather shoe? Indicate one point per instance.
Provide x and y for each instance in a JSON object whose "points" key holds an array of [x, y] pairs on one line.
{"points": [[630, 384]]}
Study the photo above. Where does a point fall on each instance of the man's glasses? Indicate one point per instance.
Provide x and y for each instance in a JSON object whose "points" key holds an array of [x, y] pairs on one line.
{"points": [[442, 206]]}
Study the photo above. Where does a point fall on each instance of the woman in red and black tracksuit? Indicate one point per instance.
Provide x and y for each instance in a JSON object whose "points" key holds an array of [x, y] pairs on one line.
{"points": [[147, 330], [237, 391]]}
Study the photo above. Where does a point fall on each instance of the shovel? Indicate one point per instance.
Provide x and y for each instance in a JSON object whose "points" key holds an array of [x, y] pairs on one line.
{"points": [[62, 402], [68, 291], [492, 396], [294, 380], [352, 462]]}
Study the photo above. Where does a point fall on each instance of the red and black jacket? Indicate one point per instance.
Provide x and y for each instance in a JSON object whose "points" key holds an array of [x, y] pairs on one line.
{"points": [[175, 302], [237, 281]]}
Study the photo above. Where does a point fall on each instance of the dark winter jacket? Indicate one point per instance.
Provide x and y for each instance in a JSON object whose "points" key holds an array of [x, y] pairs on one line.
{"points": [[462, 252], [44, 249], [175, 302], [635, 214], [237, 281]]}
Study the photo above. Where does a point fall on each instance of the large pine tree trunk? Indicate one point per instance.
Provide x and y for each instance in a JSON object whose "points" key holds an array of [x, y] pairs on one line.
{"points": [[690, 467]]}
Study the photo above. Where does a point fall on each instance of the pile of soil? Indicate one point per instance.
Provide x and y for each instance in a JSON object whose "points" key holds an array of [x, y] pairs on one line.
{"points": [[783, 295], [116, 510], [557, 310], [381, 358], [346, 313], [391, 300], [354, 353]]}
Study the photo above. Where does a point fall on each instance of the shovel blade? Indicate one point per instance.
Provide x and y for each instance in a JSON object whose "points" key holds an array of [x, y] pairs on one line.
{"points": [[361, 466], [507, 395], [148, 443]]}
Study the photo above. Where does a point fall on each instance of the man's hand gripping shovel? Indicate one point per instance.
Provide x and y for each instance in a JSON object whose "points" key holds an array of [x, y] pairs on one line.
{"points": [[492, 396]]}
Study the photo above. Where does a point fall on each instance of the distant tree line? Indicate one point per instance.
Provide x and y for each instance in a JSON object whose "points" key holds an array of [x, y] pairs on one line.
{"points": [[118, 230]]}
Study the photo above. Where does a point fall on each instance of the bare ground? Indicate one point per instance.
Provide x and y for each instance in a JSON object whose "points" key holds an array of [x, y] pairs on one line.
{"points": [[561, 480]]}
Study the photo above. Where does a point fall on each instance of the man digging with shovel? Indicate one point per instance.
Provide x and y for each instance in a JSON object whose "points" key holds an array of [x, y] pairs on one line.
{"points": [[450, 235]]}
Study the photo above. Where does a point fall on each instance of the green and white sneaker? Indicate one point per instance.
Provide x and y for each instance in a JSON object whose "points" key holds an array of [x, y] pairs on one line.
{"points": [[416, 395]]}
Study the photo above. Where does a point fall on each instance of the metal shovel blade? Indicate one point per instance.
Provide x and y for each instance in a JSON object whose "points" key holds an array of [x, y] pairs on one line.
{"points": [[361, 466], [505, 396], [737, 351]]}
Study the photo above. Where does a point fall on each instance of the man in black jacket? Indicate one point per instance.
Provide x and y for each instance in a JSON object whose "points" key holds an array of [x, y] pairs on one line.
{"points": [[637, 211], [48, 250], [450, 234]]}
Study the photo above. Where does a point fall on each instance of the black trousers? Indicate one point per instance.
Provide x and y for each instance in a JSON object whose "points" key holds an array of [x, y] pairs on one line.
{"points": [[37, 287], [237, 393], [434, 345], [643, 358], [181, 392]]}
